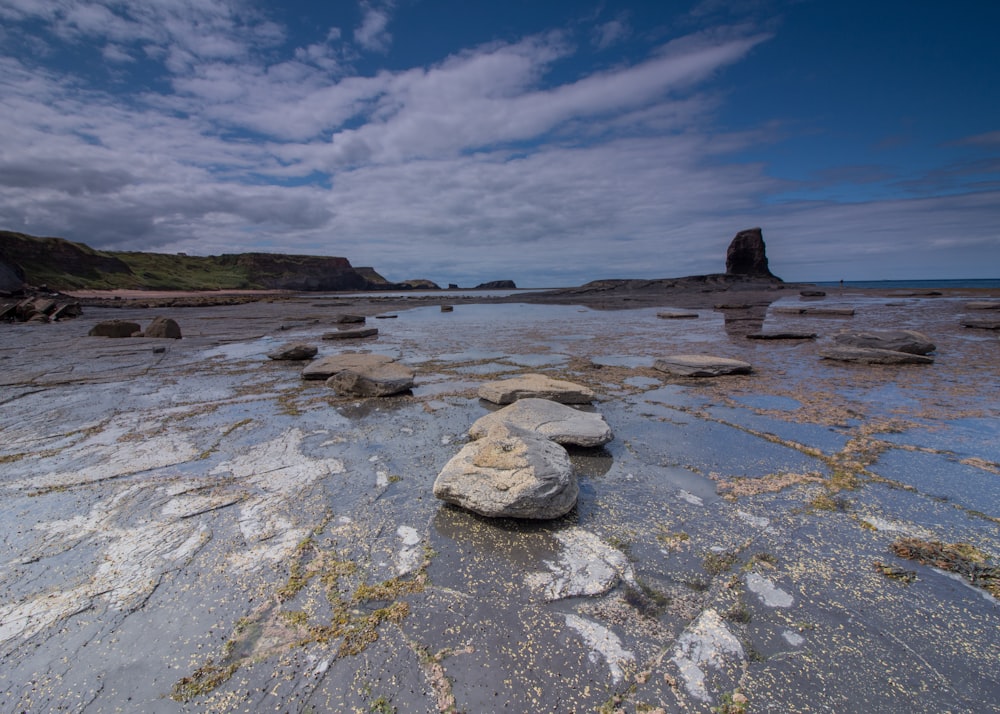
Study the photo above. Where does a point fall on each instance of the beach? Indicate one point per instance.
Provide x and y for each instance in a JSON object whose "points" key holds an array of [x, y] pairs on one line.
{"points": [[192, 527]]}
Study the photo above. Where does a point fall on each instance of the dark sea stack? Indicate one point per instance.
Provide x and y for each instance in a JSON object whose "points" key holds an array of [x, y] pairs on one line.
{"points": [[747, 256]]}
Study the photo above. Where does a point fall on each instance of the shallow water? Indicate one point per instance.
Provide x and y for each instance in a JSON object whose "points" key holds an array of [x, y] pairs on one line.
{"points": [[204, 510]]}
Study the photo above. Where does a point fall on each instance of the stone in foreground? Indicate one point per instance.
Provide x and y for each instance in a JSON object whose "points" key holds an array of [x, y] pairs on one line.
{"points": [[328, 366], [295, 351], [164, 328], [114, 328], [507, 391], [558, 422], [701, 366], [872, 355], [377, 380], [510, 473], [895, 340]]}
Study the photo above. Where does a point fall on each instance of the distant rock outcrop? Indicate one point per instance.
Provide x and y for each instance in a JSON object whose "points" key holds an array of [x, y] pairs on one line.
{"points": [[497, 285], [747, 256]]}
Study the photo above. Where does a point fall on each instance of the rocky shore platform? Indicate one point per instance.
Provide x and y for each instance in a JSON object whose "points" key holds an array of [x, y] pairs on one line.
{"points": [[191, 526]]}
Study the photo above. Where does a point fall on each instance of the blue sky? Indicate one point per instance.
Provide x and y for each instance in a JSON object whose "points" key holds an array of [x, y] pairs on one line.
{"points": [[550, 143]]}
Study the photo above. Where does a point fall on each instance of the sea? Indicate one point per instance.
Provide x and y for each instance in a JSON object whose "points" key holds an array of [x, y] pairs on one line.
{"points": [[914, 284]]}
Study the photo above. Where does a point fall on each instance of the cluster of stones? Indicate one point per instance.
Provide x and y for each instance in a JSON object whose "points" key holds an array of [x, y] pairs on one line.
{"points": [[516, 465], [160, 327], [39, 310]]}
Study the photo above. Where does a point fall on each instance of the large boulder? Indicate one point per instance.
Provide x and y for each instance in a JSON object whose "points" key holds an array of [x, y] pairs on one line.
{"points": [[873, 355], [507, 391], [909, 341], [295, 351], [164, 327], [558, 422], [115, 328], [376, 380], [510, 473], [747, 255], [701, 366], [328, 366]]}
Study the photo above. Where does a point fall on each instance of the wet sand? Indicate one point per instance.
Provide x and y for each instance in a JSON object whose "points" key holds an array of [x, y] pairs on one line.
{"points": [[198, 529]]}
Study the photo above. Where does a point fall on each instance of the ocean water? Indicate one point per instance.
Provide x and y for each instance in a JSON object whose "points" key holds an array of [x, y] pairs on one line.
{"points": [[915, 284]]}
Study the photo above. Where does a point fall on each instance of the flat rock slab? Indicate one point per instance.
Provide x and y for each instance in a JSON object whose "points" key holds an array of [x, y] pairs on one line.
{"points": [[510, 473], [982, 305], [781, 336], [555, 421], [326, 367], [377, 380], [348, 319], [294, 351], [872, 355], [677, 315], [507, 391], [701, 366], [817, 311], [982, 324], [351, 334], [894, 340]]}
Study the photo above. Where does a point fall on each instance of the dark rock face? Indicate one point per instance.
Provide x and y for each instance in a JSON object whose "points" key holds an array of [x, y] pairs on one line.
{"points": [[497, 285], [11, 278], [746, 255]]}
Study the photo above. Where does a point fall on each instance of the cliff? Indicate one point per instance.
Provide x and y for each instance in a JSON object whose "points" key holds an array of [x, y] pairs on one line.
{"points": [[63, 265]]}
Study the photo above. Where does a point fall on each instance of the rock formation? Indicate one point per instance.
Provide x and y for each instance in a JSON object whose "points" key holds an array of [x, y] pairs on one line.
{"points": [[747, 256]]}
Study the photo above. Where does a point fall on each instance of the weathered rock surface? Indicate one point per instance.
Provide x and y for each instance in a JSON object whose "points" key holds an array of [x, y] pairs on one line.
{"points": [[895, 340], [376, 380], [510, 473], [803, 310], [507, 391], [555, 421], [294, 351], [872, 355], [348, 319], [747, 255], [587, 566], [785, 335], [701, 365], [351, 334], [676, 315], [328, 366], [114, 328], [164, 327], [982, 305]]}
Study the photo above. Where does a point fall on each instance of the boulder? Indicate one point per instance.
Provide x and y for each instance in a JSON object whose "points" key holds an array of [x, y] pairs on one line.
{"points": [[114, 328], [351, 334], [872, 355], [894, 340], [507, 391], [747, 255], [555, 421], [376, 380], [510, 473], [294, 351], [701, 366], [164, 327], [328, 366], [981, 323]]}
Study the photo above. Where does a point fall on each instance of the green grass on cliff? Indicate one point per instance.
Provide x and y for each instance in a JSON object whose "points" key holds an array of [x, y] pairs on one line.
{"points": [[158, 271]]}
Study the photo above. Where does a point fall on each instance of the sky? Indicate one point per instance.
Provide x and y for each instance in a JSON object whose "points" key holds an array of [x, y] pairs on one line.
{"points": [[547, 142]]}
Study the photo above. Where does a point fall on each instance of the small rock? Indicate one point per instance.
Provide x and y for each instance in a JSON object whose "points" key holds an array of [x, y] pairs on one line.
{"points": [[507, 391], [164, 327], [348, 319], [294, 351], [817, 311], [981, 324], [781, 336], [676, 315], [812, 293], [351, 334], [377, 380], [328, 366], [701, 366], [982, 305], [447, 308], [872, 355], [114, 328], [510, 473], [555, 421], [894, 340]]}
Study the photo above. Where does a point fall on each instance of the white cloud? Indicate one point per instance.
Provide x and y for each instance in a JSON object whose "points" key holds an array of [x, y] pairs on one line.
{"points": [[372, 34], [610, 33]]}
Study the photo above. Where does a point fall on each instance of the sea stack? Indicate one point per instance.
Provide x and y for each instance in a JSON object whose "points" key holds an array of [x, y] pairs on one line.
{"points": [[747, 256]]}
